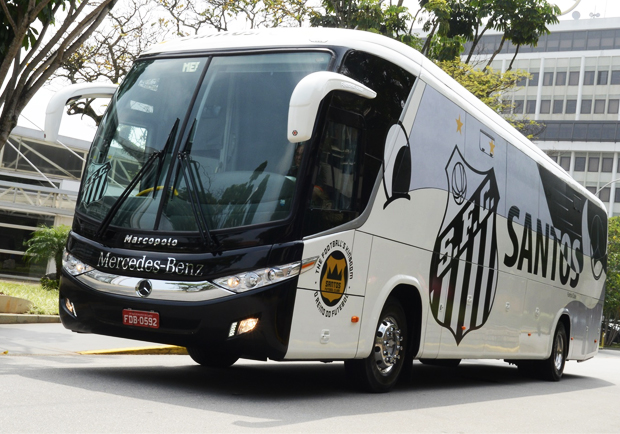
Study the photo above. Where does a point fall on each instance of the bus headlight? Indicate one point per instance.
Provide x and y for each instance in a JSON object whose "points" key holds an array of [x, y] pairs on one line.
{"points": [[265, 276], [73, 265]]}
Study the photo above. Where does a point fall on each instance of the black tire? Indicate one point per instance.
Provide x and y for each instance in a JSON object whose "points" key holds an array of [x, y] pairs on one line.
{"points": [[552, 368], [379, 372], [211, 358], [444, 363]]}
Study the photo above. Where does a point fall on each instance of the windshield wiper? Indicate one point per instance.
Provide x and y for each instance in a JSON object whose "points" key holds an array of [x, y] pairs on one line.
{"points": [[103, 226], [190, 180]]}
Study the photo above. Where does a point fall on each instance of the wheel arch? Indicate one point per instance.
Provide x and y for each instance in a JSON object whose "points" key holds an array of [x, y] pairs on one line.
{"points": [[563, 317], [406, 290]]}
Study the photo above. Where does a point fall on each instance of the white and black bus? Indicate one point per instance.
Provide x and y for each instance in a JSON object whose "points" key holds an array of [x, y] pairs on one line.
{"points": [[323, 194]]}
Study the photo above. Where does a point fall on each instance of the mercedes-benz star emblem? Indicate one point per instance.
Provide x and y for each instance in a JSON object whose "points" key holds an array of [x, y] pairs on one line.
{"points": [[144, 288]]}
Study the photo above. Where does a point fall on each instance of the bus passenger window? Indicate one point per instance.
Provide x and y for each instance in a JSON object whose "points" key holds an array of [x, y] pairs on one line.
{"points": [[338, 173], [334, 185]]}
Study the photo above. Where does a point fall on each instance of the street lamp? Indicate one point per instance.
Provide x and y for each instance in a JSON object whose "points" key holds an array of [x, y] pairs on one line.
{"points": [[609, 183]]}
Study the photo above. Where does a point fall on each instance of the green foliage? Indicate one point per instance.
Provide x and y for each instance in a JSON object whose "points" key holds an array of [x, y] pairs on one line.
{"points": [[49, 284], [19, 8], [371, 15], [490, 87], [45, 301], [611, 309], [450, 22], [48, 243]]}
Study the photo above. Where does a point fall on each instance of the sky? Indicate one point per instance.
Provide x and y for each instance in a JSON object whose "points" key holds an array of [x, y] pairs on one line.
{"points": [[34, 114]]}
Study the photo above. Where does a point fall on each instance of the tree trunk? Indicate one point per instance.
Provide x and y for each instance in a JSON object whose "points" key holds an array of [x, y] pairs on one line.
{"points": [[514, 57], [58, 261], [501, 45], [474, 44]]}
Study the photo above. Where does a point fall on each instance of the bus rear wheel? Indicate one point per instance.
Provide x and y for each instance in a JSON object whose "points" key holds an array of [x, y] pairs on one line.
{"points": [[379, 372], [211, 358], [552, 368]]}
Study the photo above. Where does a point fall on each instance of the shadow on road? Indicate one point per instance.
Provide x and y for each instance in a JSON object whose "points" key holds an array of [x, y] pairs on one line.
{"points": [[282, 394]]}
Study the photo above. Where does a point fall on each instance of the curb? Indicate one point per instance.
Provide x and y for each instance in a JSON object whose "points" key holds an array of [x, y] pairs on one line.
{"points": [[13, 318], [158, 350]]}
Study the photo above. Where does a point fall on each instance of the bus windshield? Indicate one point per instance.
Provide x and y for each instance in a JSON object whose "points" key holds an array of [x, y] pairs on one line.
{"points": [[198, 141]]}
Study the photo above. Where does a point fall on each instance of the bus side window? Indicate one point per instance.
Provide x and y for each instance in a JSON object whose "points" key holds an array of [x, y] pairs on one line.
{"points": [[353, 141], [334, 186]]}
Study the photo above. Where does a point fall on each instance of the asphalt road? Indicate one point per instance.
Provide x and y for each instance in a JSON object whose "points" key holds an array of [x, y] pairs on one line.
{"points": [[59, 390]]}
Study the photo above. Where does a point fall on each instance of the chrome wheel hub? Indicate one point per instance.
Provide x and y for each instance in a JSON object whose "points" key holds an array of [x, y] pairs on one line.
{"points": [[559, 352], [388, 345]]}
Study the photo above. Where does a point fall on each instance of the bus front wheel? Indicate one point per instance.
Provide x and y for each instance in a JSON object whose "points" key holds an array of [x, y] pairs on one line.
{"points": [[210, 358], [379, 372]]}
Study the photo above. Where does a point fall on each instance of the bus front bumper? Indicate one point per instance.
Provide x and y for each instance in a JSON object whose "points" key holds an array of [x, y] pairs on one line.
{"points": [[204, 323]]}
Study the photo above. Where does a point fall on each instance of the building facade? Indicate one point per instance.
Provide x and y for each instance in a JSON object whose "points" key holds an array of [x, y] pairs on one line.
{"points": [[39, 182], [574, 93]]}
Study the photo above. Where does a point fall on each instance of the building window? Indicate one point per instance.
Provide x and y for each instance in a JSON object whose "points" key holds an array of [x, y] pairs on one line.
{"points": [[548, 79], [586, 106], [518, 108], [566, 41], [588, 78], [594, 132], [617, 195], [521, 82], [608, 163], [566, 131], [607, 40], [558, 106], [604, 194], [612, 107], [573, 78], [580, 131], [593, 164], [530, 107], [533, 81], [599, 106], [594, 39], [560, 78], [591, 189], [571, 106], [615, 77], [608, 133], [545, 106], [565, 163], [602, 77], [580, 164]]}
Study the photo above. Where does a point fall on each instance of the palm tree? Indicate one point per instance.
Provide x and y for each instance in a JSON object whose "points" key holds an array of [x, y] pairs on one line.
{"points": [[48, 242]]}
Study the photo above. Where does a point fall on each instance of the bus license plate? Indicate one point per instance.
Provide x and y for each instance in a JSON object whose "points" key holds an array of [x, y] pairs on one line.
{"points": [[139, 318]]}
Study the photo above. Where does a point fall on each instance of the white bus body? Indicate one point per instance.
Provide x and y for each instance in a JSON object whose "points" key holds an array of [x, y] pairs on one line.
{"points": [[422, 225]]}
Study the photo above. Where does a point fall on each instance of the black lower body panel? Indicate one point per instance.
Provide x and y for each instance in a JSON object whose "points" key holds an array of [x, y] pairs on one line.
{"points": [[189, 323]]}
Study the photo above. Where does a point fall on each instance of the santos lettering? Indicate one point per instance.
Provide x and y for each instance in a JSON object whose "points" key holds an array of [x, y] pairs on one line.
{"points": [[562, 259]]}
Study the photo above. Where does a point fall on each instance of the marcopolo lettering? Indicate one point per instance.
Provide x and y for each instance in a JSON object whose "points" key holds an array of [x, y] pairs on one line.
{"points": [[150, 241], [169, 266]]}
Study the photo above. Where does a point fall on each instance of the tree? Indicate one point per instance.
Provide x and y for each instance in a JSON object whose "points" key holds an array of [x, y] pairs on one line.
{"points": [[48, 242], [29, 55], [112, 49], [611, 308], [525, 23], [449, 22], [371, 15], [190, 17]]}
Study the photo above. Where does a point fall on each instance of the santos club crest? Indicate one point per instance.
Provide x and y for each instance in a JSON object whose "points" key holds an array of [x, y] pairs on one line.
{"points": [[463, 278]]}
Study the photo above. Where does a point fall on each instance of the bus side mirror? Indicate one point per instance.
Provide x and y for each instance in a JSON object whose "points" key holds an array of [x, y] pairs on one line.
{"points": [[56, 105], [307, 97]]}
